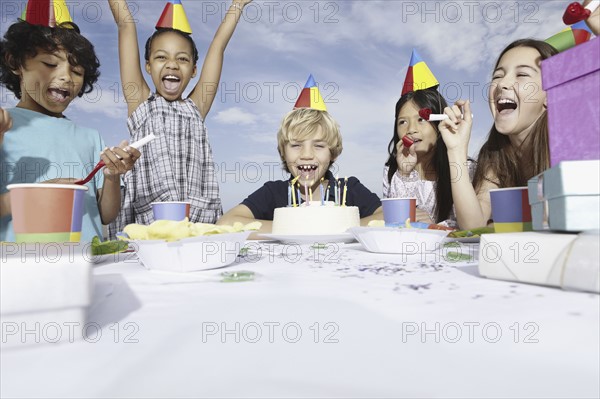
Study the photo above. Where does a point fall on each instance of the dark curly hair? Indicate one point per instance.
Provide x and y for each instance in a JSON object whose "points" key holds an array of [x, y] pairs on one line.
{"points": [[160, 31], [432, 99], [23, 40]]}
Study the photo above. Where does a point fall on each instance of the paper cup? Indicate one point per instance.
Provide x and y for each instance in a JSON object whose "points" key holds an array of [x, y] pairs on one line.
{"points": [[47, 212], [397, 210], [511, 211], [173, 210]]}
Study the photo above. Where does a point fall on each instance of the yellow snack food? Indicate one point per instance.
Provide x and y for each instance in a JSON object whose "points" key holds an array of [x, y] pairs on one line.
{"points": [[169, 230]]}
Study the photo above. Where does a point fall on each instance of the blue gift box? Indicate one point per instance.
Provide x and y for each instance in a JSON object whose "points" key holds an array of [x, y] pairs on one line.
{"points": [[566, 197]]}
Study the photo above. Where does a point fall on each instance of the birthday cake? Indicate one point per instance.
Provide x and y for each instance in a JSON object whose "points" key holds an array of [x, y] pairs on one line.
{"points": [[315, 219]]}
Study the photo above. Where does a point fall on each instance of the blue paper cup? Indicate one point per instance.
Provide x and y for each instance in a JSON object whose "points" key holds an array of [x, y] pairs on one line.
{"points": [[397, 210], [511, 210], [171, 210]]}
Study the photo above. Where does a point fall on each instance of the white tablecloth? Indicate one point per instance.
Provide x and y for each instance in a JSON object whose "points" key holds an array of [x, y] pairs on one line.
{"points": [[320, 322]]}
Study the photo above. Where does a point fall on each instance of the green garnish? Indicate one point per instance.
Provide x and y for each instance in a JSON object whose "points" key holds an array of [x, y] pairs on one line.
{"points": [[471, 233], [107, 247], [237, 277], [457, 257]]}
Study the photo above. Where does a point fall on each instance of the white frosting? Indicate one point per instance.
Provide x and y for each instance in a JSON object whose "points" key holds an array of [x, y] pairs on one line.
{"points": [[315, 219]]}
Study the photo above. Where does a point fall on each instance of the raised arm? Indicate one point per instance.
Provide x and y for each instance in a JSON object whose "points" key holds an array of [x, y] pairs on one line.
{"points": [[205, 91], [472, 209], [135, 88]]}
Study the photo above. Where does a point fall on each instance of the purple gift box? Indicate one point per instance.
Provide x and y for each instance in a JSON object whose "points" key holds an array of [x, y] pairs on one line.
{"points": [[571, 80]]}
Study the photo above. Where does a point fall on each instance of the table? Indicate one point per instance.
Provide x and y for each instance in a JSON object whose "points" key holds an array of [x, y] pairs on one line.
{"points": [[319, 322]]}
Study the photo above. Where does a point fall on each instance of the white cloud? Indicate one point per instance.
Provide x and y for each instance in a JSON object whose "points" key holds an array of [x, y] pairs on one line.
{"points": [[236, 116], [100, 102]]}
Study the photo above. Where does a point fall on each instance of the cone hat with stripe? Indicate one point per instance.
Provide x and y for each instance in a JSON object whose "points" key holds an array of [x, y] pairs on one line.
{"points": [[310, 97], [46, 12], [173, 16], [418, 76], [570, 37]]}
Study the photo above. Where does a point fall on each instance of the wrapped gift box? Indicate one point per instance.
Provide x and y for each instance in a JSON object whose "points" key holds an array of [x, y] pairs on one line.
{"points": [[571, 80], [45, 290], [566, 197], [569, 261]]}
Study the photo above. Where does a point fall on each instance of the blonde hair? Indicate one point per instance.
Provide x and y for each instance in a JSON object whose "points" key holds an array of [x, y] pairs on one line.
{"points": [[301, 124]]}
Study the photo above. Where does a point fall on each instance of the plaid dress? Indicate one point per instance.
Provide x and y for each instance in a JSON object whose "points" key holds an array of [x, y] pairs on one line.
{"points": [[176, 166]]}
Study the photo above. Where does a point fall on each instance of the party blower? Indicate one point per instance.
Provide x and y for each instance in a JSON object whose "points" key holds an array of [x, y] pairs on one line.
{"points": [[137, 145], [575, 12]]}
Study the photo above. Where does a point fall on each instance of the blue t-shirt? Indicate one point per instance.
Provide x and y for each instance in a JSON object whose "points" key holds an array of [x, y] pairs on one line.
{"points": [[40, 148], [274, 194]]}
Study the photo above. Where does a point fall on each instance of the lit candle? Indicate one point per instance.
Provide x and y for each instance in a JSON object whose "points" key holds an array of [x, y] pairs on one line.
{"points": [[327, 192], [321, 192], [345, 191], [335, 190], [310, 191], [292, 184], [290, 194], [306, 197]]}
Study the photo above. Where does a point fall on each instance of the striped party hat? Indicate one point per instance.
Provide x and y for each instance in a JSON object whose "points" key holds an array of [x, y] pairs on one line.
{"points": [[46, 12], [173, 16], [570, 37], [310, 97], [418, 76]]}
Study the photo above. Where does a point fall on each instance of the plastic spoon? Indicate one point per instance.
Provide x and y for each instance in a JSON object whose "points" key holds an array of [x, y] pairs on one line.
{"points": [[137, 145]]}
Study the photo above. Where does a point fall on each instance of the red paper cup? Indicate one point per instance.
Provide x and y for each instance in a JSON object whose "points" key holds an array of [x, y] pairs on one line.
{"points": [[47, 212]]}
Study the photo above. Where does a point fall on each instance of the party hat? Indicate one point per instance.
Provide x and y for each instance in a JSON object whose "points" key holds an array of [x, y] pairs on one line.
{"points": [[570, 37], [173, 16], [310, 97], [418, 76], [46, 12]]}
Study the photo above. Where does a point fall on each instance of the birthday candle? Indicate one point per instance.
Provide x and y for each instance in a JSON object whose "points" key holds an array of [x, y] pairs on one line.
{"points": [[327, 192], [290, 194], [293, 183], [299, 196], [345, 190], [321, 192], [306, 197], [335, 190], [310, 184]]}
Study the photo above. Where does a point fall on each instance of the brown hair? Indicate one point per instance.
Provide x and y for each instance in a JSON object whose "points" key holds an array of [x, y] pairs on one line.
{"points": [[511, 166]]}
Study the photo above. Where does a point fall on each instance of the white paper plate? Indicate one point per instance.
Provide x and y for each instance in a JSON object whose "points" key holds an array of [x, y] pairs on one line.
{"points": [[310, 238], [113, 258], [393, 240], [191, 254]]}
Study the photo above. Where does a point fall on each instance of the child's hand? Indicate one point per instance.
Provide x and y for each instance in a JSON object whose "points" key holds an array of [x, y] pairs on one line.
{"points": [[423, 216], [5, 123], [119, 159], [594, 20], [242, 2], [456, 130], [406, 158]]}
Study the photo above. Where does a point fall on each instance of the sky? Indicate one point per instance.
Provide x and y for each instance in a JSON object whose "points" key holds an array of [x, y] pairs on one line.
{"points": [[357, 51]]}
